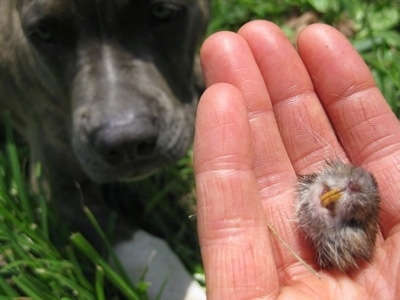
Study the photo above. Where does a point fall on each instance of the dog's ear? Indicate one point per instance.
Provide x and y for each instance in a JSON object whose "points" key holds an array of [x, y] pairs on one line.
{"points": [[198, 76]]}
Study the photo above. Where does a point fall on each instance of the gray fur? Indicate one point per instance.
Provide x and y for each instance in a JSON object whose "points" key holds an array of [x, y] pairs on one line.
{"points": [[344, 232], [102, 90]]}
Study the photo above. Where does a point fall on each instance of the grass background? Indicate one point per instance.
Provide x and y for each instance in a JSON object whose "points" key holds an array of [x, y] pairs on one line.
{"points": [[40, 259]]}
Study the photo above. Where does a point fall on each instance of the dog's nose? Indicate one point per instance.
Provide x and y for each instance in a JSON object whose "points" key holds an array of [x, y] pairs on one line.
{"points": [[116, 144]]}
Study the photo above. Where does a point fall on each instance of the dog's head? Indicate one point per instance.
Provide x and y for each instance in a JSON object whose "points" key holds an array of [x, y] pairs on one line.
{"points": [[126, 68]]}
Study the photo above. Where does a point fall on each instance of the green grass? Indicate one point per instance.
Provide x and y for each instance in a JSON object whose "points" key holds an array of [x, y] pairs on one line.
{"points": [[41, 259]]}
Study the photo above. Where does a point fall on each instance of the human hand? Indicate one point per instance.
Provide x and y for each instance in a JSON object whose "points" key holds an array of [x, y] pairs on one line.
{"points": [[268, 114]]}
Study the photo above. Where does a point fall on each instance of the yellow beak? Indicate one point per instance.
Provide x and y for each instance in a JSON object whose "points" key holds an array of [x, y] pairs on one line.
{"points": [[330, 196]]}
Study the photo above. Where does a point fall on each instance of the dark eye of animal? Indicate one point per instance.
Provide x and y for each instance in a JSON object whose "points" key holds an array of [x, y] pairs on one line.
{"points": [[353, 223], [354, 186], [49, 34], [41, 33], [165, 12]]}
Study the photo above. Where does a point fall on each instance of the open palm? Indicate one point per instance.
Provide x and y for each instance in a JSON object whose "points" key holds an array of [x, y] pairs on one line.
{"points": [[271, 112]]}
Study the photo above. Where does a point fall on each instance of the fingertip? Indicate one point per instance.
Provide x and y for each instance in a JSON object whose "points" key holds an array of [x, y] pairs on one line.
{"points": [[222, 91], [221, 130], [322, 43], [213, 43], [317, 27], [318, 33], [215, 53], [256, 25], [215, 100], [260, 33]]}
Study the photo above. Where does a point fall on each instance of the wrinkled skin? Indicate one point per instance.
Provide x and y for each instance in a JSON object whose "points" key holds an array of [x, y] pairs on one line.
{"points": [[269, 113]]}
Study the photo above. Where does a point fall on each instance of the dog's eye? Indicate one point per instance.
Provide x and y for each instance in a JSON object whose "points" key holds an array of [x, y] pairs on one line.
{"points": [[165, 11], [42, 33]]}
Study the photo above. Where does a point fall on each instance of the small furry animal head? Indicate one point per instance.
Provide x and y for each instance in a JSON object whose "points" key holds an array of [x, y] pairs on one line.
{"points": [[338, 211]]}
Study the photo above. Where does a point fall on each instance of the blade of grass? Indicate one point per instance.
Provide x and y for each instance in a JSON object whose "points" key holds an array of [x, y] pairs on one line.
{"points": [[83, 245], [106, 243], [44, 225], [16, 170], [6, 289], [32, 287], [99, 283], [77, 269], [62, 280]]}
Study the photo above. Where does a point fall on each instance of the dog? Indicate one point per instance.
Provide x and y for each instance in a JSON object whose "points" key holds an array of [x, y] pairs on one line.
{"points": [[104, 91]]}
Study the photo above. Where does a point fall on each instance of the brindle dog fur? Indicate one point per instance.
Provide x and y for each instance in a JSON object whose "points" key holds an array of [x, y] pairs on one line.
{"points": [[102, 91]]}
